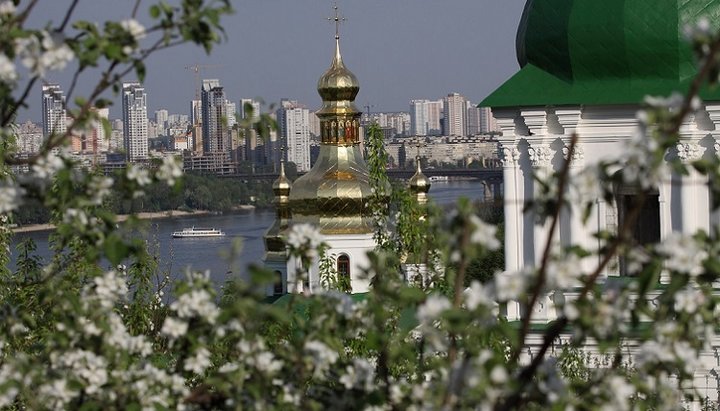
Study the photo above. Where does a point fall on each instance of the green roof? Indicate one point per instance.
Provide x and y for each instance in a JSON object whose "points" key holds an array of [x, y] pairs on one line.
{"points": [[575, 52]]}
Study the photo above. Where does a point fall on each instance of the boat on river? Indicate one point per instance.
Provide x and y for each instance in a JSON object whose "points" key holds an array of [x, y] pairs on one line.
{"points": [[438, 179], [198, 232]]}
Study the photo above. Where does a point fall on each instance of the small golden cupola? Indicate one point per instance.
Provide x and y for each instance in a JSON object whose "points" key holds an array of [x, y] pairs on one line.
{"points": [[274, 236], [419, 183], [334, 193]]}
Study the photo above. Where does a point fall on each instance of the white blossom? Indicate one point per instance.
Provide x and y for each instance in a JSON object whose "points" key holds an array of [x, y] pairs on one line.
{"points": [[169, 170], [306, 238], [477, 295], [322, 356], [688, 300], [135, 29], [7, 8], [174, 328], [109, 288], [585, 186], [510, 285], [8, 73], [431, 309], [199, 362], [674, 101], [46, 167], [565, 272], [266, 362], [483, 233], [196, 303], [56, 394], [138, 174], [344, 305], [86, 365], [620, 395], [684, 254], [40, 55], [360, 374], [10, 196], [99, 188], [118, 336]]}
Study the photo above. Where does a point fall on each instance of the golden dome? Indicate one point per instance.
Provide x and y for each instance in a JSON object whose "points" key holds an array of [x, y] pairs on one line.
{"points": [[338, 83], [333, 195], [282, 185], [419, 183]]}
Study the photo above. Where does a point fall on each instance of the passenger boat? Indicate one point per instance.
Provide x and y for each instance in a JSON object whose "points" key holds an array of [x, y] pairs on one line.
{"points": [[437, 179], [198, 232]]}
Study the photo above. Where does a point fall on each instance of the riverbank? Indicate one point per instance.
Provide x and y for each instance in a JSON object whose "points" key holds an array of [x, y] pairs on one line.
{"points": [[120, 218]]}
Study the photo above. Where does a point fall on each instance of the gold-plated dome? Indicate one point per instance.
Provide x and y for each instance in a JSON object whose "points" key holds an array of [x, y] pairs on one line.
{"points": [[333, 195], [282, 185], [274, 236], [419, 183], [338, 83]]}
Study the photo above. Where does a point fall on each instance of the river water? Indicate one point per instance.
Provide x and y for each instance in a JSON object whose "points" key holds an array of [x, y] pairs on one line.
{"points": [[247, 228]]}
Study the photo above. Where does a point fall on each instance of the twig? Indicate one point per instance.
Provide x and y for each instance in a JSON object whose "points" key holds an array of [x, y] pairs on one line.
{"points": [[69, 13]]}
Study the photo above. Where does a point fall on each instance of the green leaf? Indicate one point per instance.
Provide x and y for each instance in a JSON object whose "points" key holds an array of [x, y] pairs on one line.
{"points": [[154, 11], [140, 70], [115, 249]]}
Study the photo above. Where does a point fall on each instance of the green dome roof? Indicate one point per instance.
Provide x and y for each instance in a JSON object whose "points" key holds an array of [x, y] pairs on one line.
{"points": [[603, 52]]}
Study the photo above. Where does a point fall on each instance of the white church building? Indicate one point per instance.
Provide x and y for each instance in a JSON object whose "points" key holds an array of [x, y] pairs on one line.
{"points": [[586, 67]]}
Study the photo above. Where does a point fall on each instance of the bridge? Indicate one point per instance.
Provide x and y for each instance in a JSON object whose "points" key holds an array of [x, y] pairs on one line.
{"points": [[489, 175], [491, 178]]}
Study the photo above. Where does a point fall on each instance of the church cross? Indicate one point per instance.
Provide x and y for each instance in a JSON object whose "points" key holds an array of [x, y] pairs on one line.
{"points": [[338, 20]]}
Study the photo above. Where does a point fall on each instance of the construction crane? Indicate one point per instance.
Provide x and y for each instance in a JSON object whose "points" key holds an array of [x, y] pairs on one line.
{"points": [[195, 68]]}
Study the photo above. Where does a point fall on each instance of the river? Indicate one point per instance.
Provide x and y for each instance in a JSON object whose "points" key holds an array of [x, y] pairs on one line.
{"points": [[249, 227]]}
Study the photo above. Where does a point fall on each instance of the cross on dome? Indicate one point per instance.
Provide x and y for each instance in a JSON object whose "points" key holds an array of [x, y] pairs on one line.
{"points": [[338, 19]]}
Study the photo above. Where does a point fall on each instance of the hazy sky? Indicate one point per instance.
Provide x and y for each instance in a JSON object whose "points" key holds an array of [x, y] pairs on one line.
{"points": [[399, 50]]}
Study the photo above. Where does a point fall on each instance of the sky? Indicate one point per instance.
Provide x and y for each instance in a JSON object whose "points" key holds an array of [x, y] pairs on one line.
{"points": [[399, 50]]}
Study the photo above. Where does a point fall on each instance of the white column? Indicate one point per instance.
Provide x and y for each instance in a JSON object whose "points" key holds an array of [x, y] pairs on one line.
{"points": [[695, 211], [540, 157], [513, 206]]}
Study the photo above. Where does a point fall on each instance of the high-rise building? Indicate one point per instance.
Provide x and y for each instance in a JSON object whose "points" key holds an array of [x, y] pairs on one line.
{"points": [[54, 114], [215, 134], [455, 115], [487, 121], [29, 137], [253, 106], [473, 119], [418, 117], [161, 118], [99, 143], [135, 121], [195, 112], [294, 131], [231, 112], [425, 116]]}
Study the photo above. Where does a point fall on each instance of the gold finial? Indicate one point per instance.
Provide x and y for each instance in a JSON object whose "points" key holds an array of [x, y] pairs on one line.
{"points": [[338, 20]]}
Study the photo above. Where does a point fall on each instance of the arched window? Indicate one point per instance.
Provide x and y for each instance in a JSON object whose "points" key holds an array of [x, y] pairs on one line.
{"points": [[278, 285], [343, 266]]}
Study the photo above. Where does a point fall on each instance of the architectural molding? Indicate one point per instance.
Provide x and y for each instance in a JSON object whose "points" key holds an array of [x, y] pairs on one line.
{"points": [[689, 151], [509, 155], [540, 155]]}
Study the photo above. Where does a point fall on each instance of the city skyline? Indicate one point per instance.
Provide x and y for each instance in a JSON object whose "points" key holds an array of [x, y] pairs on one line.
{"points": [[413, 49]]}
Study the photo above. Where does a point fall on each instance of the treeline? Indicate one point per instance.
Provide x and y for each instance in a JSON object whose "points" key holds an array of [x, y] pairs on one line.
{"points": [[196, 192]]}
